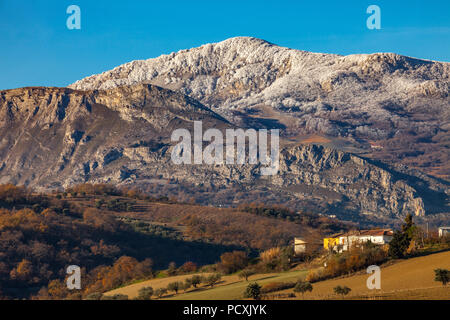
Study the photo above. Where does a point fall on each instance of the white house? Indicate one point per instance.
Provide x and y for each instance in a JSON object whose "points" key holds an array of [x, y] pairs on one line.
{"points": [[299, 245], [444, 231], [376, 236]]}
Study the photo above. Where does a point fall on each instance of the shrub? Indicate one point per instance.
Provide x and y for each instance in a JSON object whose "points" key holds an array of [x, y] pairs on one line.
{"points": [[213, 279], [302, 287], [11, 194], [195, 280], [244, 274], [145, 293], [93, 189], [188, 267], [276, 286], [442, 275], [277, 258], [99, 203], [115, 297], [232, 261], [172, 270], [100, 219], [175, 286], [286, 255], [253, 291], [94, 296], [160, 292], [186, 285], [280, 296], [313, 276], [355, 259], [342, 290], [270, 255]]}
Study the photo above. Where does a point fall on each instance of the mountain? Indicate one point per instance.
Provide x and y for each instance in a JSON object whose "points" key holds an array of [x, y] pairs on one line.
{"points": [[52, 138], [62, 136], [383, 106]]}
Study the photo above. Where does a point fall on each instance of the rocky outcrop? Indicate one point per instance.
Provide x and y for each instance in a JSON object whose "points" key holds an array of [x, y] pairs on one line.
{"points": [[116, 127], [57, 137]]}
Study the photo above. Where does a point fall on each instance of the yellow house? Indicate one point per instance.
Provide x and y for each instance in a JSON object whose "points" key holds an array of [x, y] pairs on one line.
{"points": [[332, 241]]}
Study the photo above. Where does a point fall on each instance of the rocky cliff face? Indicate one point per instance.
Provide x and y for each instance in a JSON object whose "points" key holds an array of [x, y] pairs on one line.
{"points": [[56, 137], [399, 104]]}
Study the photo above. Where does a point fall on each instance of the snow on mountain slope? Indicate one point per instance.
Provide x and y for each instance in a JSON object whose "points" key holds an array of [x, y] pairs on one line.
{"points": [[244, 71], [400, 103]]}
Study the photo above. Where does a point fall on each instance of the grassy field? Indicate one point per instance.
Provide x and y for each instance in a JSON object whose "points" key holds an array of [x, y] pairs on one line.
{"points": [[235, 287], [132, 290], [407, 279], [230, 288]]}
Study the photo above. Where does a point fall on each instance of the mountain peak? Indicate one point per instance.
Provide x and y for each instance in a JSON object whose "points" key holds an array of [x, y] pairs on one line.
{"points": [[367, 97], [246, 71], [245, 40]]}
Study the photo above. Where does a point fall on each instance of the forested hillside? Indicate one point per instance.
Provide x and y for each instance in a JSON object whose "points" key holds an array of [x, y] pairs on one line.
{"points": [[116, 236]]}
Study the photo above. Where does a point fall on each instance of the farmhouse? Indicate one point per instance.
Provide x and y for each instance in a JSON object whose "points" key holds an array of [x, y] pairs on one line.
{"points": [[375, 146], [444, 231], [299, 246], [331, 241], [342, 242]]}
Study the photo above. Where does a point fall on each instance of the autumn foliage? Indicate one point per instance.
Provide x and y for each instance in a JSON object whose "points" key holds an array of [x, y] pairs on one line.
{"points": [[41, 235], [232, 261], [12, 195]]}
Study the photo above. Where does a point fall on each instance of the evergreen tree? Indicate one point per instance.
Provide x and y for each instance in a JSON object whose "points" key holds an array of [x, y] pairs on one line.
{"points": [[401, 240], [442, 275], [253, 291]]}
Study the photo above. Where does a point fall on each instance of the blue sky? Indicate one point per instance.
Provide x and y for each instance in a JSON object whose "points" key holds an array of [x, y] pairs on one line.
{"points": [[37, 49]]}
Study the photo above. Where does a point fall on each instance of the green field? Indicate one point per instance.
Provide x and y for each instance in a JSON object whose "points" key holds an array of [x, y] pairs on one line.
{"points": [[234, 289], [229, 288]]}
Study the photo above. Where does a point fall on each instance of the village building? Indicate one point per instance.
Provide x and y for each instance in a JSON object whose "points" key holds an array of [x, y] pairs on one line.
{"points": [[331, 241], [444, 231], [342, 242], [299, 246], [375, 146]]}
